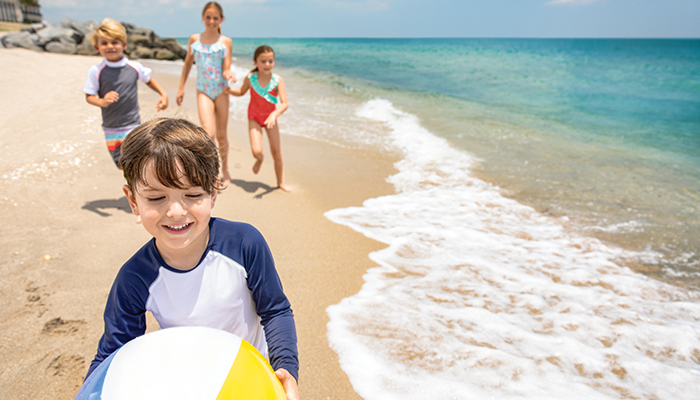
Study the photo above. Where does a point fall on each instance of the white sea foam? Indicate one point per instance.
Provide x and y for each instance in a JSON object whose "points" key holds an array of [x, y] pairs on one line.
{"points": [[627, 227], [478, 296]]}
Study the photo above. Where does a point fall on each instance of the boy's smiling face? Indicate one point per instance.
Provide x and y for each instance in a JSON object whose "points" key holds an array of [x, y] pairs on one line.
{"points": [[110, 48], [177, 218]]}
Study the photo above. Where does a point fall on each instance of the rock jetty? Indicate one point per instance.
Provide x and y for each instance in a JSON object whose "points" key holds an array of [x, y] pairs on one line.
{"points": [[73, 37]]}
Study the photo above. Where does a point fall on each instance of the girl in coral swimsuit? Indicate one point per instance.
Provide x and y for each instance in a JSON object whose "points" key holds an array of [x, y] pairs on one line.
{"points": [[212, 53], [268, 100]]}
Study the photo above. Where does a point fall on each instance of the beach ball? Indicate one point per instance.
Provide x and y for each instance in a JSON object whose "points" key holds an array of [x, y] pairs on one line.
{"points": [[193, 363]]}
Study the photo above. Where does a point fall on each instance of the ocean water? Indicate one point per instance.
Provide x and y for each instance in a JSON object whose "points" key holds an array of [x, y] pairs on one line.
{"points": [[543, 241]]}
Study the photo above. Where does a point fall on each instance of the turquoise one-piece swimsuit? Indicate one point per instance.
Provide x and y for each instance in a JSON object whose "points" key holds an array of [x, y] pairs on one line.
{"points": [[209, 59]]}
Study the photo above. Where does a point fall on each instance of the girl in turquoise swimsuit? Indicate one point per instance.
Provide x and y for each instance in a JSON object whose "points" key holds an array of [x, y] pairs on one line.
{"points": [[212, 53], [268, 100]]}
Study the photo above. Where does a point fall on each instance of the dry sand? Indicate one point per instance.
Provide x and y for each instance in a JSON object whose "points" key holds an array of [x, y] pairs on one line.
{"points": [[62, 199]]}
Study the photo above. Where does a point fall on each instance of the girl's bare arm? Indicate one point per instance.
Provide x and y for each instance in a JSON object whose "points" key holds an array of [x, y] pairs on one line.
{"points": [[186, 67], [241, 90], [226, 67]]}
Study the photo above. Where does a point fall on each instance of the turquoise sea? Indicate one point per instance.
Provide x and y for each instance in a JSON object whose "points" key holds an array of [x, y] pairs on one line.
{"points": [[544, 237]]}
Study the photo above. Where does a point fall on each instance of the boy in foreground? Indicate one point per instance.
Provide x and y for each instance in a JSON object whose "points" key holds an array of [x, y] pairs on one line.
{"points": [[197, 270], [112, 85]]}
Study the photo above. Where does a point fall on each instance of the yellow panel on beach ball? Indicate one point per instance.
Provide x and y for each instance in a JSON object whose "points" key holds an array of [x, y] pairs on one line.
{"points": [[242, 384]]}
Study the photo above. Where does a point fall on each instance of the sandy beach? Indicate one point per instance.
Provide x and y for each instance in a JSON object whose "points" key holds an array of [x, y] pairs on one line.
{"points": [[68, 227]]}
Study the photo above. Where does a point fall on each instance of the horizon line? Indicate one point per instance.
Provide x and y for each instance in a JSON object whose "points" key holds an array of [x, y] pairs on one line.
{"points": [[461, 37]]}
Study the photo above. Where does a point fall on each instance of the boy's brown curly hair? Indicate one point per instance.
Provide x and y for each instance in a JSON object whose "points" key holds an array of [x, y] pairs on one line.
{"points": [[177, 148]]}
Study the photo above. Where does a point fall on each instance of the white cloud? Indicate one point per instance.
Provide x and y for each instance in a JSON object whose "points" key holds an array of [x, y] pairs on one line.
{"points": [[570, 2]]}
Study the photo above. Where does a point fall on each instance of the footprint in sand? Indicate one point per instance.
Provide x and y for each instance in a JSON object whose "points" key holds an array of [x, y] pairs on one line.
{"points": [[65, 365], [36, 299], [59, 326]]}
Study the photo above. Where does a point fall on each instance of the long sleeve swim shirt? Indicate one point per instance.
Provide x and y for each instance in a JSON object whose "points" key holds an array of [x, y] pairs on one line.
{"points": [[235, 287]]}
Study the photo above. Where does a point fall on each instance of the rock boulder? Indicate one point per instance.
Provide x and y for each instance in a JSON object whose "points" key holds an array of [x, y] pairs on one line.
{"points": [[25, 40], [73, 37], [59, 46]]}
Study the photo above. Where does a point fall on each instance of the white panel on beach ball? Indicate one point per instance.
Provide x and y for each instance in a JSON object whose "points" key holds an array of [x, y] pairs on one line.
{"points": [[183, 363]]}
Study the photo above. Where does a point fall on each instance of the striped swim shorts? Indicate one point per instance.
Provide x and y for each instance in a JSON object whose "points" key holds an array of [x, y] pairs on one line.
{"points": [[114, 138]]}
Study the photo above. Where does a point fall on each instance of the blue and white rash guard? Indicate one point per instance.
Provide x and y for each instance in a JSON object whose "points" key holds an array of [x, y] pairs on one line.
{"points": [[235, 287]]}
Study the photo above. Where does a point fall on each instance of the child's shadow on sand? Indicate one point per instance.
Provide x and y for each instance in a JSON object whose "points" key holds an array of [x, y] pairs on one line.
{"points": [[252, 187], [98, 206]]}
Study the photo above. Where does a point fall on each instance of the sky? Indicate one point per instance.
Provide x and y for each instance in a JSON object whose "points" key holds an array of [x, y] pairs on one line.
{"points": [[401, 18]]}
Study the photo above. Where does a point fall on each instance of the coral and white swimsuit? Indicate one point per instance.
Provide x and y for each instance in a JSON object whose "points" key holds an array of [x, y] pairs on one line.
{"points": [[263, 100]]}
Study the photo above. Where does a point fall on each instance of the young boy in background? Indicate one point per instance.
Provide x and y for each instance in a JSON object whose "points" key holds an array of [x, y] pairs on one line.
{"points": [[112, 85]]}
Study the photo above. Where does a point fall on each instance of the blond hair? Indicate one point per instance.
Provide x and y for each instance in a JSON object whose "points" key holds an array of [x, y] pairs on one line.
{"points": [[177, 148], [109, 29]]}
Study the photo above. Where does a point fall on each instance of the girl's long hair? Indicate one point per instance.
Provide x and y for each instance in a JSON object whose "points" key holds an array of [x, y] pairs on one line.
{"points": [[217, 6], [261, 50]]}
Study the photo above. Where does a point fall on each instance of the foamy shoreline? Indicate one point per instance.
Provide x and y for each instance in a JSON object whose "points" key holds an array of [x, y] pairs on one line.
{"points": [[64, 200]]}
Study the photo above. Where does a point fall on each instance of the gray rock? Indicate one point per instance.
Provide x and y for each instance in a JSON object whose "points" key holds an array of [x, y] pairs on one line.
{"points": [[60, 47], [54, 33], [165, 54], [65, 23], [35, 27], [173, 45], [25, 40], [71, 37], [132, 29], [84, 28], [86, 49], [139, 41], [141, 52]]}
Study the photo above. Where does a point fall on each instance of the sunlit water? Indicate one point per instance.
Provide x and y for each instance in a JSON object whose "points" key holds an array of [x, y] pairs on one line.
{"points": [[543, 238]]}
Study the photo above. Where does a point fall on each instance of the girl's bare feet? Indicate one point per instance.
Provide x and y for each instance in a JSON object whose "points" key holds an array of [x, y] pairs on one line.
{"points": [[256, 166], [226, 179], [285, 188]]}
